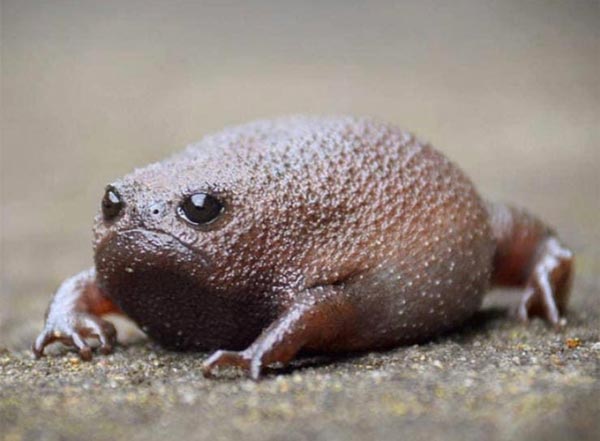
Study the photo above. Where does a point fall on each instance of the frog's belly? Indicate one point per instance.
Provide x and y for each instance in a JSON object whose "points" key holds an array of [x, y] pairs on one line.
{"points": [[150, 277]]}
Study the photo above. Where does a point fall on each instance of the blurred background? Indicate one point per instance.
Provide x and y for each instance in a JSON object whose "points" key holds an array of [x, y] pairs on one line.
{"points": [[509, 90]]}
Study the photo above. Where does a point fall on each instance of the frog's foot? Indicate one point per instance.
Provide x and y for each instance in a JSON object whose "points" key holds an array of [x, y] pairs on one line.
{"points": [[74, 315], [226, 359], [547, 290], [252, 361], [72, 329]]}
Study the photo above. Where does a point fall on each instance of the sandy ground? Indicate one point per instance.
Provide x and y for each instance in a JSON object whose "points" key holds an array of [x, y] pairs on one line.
{"points": [[509, 90]]}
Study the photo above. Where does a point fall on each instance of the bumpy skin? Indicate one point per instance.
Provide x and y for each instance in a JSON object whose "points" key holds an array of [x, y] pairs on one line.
{"points": [[339, 234]]}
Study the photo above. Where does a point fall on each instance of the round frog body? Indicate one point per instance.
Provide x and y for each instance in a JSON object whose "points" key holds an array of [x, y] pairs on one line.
{"points": [[319, 234]]}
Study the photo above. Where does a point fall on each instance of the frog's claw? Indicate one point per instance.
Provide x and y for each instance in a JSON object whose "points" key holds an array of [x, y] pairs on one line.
{"points": [[43, 340]]}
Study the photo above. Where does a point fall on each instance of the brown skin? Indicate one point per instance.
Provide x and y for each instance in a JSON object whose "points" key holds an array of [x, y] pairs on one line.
{"points": [[335, 234]]}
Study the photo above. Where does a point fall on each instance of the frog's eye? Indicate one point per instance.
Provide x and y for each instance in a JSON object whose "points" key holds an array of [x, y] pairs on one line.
{"points": [[112, 203], [200, 209]]}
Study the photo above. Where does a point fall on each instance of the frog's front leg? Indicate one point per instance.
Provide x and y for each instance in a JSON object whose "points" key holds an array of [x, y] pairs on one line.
{"points": [[74, 314], [318, 318]]}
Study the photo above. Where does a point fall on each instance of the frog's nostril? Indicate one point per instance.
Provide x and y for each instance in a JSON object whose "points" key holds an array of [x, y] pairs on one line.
{"points": [[112, 203], [157, 209]]}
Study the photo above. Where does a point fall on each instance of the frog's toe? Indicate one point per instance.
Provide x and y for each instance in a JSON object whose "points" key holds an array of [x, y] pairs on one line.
{"points": [[85, 351], [535, 303], [44, 339], [105, 332], [222, 359], [256, 367]]}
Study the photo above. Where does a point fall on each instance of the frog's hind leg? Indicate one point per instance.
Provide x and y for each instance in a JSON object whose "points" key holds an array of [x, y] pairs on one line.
{"points": [[530, 255]]}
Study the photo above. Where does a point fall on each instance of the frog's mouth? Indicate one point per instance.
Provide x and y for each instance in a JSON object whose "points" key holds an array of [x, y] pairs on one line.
{"points": [[162, 285]]}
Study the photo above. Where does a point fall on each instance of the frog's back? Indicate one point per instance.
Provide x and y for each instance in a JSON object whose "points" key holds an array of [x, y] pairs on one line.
{"points": [[354, 201]]}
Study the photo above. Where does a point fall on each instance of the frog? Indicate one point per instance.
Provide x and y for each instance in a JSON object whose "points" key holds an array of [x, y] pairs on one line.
{"points": [[302, 234]]}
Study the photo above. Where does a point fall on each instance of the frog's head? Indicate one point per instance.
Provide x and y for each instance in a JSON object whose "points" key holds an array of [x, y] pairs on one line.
{"points": [[155, 199], [174, 248]]}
